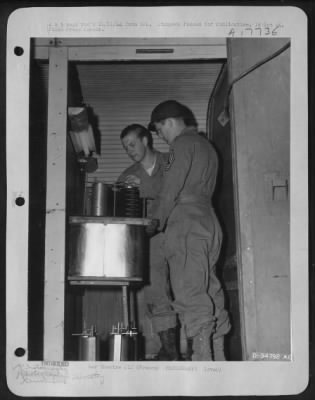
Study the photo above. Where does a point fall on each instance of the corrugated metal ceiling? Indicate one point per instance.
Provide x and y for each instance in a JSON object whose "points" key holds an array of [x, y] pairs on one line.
{"points": [[122, 93], [125, 93]]}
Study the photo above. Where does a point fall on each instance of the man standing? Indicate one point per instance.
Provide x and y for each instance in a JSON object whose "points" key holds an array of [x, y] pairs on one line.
{"points": [[192, 233], [147, 172]]}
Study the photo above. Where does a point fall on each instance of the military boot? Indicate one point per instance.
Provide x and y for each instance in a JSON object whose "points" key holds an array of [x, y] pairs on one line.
{"points": [[168, 350], [202, 346], [189, 350], [218, 348]]}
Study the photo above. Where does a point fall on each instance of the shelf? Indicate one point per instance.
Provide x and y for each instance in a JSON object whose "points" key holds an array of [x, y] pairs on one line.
{"points": [[103, 281], [109, 220]]}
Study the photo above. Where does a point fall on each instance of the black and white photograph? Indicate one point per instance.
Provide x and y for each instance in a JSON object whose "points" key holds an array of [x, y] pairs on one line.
{"points": [[157, 190]]}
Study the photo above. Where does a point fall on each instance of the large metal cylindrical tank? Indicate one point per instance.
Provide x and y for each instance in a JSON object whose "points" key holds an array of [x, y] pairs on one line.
{"points": [[108, 247]]}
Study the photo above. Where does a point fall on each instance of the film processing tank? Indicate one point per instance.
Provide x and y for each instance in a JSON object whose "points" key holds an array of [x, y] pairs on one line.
{"points": [[110, 247]]}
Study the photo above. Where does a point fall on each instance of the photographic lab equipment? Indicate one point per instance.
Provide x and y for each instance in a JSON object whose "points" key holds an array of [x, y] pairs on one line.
{"points": [[116, 200], [110, 251], [102, 200], [123, 343], [88, 344]]}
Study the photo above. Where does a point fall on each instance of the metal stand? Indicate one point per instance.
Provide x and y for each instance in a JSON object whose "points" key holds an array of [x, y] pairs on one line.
{"points": [[120, 337], [101, 281], [125, 305]]}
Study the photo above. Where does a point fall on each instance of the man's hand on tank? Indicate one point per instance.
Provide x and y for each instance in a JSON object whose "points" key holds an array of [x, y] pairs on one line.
{"points": [[132, 180]]}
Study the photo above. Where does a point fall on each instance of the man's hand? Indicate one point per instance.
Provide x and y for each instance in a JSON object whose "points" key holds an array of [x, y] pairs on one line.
{"points": [[132, 180], [152, 228]]}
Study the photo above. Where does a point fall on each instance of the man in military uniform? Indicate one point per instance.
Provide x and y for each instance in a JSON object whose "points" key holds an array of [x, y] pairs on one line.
{"points": [[147, 172], [192, 232]]}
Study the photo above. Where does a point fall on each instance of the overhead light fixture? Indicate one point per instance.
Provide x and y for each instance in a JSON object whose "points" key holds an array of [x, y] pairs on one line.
{"points": [[81, 132]]}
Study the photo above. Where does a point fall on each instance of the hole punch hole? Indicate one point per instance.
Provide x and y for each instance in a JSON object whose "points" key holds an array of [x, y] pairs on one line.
{"points": [[20, 352], [20, 201], [18, 51]]}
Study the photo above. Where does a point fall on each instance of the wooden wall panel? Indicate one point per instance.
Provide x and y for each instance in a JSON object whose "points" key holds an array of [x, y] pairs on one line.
{"points": [[55, 205], [260, 105]]}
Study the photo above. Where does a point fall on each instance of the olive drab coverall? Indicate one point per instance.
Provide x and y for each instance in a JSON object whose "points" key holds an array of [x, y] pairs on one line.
{"points": [[157, 293], [192, 233]]}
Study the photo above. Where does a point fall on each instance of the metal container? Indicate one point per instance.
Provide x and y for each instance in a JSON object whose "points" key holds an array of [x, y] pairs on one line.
{"points": [[119, 347], [102, 200], [128, 202], [108, 247], [88, 345], [88, 348], [123, 345]]}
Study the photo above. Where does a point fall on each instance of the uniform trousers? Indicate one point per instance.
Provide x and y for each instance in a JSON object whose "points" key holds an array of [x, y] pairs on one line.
{"points": [[193, 240], [157, 294]]}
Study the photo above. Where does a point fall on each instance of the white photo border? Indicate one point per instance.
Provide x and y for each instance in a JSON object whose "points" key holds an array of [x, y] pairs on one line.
{"points": [[34, 378]]}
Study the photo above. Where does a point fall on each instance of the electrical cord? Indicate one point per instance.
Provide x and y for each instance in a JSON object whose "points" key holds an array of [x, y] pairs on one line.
{"points": [[223, 116], [257, 65]]}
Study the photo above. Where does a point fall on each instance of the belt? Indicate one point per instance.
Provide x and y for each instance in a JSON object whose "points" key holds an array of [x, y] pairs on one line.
{"points": [[192, 198]]}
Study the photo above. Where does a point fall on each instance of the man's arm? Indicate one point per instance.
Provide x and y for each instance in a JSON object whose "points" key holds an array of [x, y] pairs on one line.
{"points": [[176, 172], [130, 176]]}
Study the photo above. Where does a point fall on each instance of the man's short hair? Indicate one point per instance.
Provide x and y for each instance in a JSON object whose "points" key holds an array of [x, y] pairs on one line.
{"points": [[140, 131], [172, 109]]}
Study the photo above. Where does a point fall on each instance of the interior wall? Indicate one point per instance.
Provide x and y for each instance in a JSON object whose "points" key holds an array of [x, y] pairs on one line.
{"points": [[260, 106], [220, 135], [37, 211], [224, 204]]}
